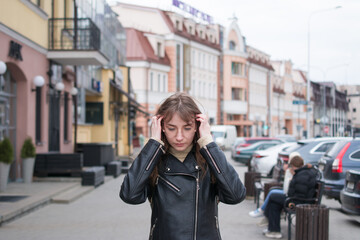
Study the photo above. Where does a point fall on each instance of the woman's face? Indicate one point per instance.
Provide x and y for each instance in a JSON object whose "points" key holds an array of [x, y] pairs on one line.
{"points": [[179, 134]]}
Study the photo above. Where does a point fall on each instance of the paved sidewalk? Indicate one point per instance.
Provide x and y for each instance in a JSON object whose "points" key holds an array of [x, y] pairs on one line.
{"points": [[100, 214], [22, 198]]}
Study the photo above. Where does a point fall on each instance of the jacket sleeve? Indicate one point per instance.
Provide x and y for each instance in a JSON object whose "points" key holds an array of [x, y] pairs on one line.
{"points": [[135, 187], [230, 188]]}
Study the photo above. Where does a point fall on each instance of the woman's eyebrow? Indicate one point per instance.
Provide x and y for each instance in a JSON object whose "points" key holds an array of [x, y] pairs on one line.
{"points": [[173, 125]]}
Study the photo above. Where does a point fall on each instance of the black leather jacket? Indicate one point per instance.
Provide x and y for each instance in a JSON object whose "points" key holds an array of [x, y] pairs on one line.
{"points": [[184, 204]]}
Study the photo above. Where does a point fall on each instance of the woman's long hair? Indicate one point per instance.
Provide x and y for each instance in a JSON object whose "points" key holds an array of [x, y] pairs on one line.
{"points": [[186, 108]]}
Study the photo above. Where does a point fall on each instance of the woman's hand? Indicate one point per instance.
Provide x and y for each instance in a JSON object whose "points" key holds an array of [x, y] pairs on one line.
{"points": [[204, 128], [156, 127]]}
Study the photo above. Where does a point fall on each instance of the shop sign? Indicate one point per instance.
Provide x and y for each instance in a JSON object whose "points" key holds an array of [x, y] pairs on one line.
{"points": [[193, 11], [15, 50]]}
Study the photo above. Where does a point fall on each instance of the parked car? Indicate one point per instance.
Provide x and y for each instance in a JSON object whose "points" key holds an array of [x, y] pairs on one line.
{"points": [[311, 150], [250, 140], [287, 138], [264, 161], [343, 156], [237, 141], [350, 194], [244, 154]]}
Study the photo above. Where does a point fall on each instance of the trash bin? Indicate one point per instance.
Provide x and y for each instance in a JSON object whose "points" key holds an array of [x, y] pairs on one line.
{"points": [[250, 178], [312, 222]]}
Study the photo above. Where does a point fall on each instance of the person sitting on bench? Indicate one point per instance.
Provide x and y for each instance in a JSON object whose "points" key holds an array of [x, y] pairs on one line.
{"points": [[302, 185], [287, 178]]}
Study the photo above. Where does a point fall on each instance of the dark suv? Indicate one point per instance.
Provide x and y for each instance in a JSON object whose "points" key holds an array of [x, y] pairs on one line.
{"points": [[311, 150], [343, 156]]}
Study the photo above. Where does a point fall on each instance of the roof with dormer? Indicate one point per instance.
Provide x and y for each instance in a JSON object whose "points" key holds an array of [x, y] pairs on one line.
{"points": [[138, 48]]}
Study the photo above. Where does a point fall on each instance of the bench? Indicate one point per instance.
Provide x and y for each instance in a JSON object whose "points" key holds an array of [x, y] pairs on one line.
{"points": [[113, 168], [260, 187], [93, 176], [58, 164]]}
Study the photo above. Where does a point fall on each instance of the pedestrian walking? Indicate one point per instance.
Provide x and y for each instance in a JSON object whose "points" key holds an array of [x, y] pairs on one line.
{"points": [[183, 174]]}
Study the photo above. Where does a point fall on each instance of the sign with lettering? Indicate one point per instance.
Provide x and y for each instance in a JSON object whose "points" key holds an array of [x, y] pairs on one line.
{"points": [[300, 102], [193, 11], [15, 50]]}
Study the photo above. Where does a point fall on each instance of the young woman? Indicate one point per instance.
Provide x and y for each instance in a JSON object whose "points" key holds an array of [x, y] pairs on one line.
{"points": [[183, 174], [302, 185], [287, 178]]}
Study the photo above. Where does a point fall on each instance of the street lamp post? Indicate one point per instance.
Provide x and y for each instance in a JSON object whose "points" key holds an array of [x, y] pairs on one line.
{"points": [[308, 69]]}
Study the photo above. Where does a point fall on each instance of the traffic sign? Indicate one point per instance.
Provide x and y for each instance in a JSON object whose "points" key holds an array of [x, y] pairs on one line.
{"points": [[326, 129], [299, 102]]}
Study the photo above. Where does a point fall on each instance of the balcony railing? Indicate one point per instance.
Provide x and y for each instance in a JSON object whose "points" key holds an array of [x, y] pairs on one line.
{"points": [[73, 34]]}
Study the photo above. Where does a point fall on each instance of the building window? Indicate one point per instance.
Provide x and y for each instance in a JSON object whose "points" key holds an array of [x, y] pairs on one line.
{"points": [[66, 118], [232, 45], [190, 29], [236, 68], [237, 94], [178, 87], [151, 81], [158, 49], [193, 57], [354, 109], [177, 23], [164, 83], [199, 89], [203, 64], [199, 60], [38, 115], [159, 83]]}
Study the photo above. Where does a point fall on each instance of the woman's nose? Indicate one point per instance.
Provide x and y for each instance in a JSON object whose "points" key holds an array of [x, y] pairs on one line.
{"points": [[179, 135]]}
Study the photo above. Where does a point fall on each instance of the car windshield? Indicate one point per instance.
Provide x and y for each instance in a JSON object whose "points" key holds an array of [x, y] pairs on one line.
{"points": [[217, 134]]}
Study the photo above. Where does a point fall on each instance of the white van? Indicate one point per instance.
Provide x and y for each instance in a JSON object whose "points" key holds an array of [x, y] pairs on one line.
{"points": [[224, 135]]}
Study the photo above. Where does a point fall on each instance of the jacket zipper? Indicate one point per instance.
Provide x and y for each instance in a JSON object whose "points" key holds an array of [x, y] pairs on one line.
{"points": [[168, 183], [196, 204], [217, 226], [152, 159], [212, 160], [152, 229]]}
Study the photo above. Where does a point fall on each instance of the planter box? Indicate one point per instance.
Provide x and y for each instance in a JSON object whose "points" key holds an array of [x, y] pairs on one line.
{"points": [[58, 164], [97, 154], [125, 163], [93, 176], [113, 168]]}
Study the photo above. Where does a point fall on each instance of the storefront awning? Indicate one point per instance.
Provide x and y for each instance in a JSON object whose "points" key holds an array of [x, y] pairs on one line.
{"points": [[133, 102]]}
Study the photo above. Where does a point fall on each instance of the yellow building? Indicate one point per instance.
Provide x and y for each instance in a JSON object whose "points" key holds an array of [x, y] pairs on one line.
{"points": [[56, 70]]}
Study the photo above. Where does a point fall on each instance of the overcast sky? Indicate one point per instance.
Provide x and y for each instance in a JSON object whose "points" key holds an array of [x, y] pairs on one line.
{"points": [[280, 29]]}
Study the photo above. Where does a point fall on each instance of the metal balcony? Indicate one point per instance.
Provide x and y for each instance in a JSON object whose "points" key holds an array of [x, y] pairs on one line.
{"points": [[75, 42]]}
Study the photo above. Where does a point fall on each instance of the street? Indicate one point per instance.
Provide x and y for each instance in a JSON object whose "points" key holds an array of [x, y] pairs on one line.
{"points": [[102, 215]]}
